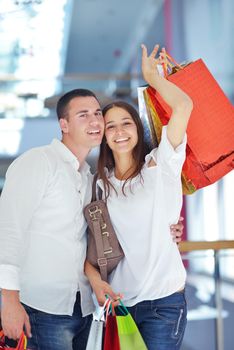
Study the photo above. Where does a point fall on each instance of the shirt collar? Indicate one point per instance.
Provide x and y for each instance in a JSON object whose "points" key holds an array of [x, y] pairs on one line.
{"points": [[68, 156]]}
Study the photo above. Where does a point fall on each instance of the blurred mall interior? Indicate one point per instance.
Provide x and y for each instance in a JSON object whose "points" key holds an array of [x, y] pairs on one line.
{"points": [[49, 47]]}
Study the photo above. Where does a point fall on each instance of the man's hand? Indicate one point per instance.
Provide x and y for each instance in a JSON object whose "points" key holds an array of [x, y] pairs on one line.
{"points": [[13, 315], [177, 230]]}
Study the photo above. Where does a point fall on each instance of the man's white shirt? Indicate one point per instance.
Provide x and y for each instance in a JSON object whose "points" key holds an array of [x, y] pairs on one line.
{"points": [[43, 230]]}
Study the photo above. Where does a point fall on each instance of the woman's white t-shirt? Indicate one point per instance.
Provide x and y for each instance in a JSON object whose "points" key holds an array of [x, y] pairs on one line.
{"points": [[152, 267]]}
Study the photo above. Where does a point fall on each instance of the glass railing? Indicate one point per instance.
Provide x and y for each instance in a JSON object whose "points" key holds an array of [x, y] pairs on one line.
{"points": [[210, 297]]}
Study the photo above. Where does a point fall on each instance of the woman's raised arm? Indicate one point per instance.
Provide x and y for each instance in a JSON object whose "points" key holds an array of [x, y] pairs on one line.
{"points": [[180, 103]]}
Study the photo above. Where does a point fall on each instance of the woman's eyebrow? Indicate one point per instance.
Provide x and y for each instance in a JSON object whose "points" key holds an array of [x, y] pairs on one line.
{"points": [[124, 118]]}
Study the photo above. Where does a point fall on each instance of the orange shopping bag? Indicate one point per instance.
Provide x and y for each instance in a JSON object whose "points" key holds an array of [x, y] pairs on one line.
{"points": [[22, 342], [210, 147]]}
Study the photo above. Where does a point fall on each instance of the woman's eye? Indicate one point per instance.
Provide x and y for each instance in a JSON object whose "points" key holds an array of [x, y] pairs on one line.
{"points": [[109, 127]]}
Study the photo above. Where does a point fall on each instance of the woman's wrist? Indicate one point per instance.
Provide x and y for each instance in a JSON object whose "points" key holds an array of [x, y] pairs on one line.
{"points": [[155, 81], [92, 274]]}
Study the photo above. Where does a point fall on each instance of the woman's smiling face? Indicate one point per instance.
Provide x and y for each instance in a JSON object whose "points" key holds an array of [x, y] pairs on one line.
{"points": [[120, 130]]}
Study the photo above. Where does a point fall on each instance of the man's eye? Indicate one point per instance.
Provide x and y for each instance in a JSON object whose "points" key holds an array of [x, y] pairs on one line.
{"points": [[82, 115], [99, 114]]}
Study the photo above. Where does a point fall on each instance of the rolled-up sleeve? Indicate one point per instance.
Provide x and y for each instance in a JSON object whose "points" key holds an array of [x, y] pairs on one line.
{"points": [[170, 160], [23, 191]]}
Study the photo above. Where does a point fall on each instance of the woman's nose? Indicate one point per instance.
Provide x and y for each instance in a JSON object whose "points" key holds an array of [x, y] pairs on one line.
{"points": [[119, 129]]}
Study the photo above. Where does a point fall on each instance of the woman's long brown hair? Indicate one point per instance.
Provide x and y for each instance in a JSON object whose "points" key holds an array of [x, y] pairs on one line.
{"points": [[106, 159]]}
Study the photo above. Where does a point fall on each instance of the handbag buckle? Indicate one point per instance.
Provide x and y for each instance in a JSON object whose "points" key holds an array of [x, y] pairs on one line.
{"points": [[102, 261]]}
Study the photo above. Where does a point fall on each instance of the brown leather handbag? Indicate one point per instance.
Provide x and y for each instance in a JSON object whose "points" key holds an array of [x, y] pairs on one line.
{"points": [[104, 251]]}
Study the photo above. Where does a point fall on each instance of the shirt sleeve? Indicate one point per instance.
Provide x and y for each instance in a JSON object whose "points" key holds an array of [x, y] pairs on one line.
{"points": [[169, 159], [23, 191]]}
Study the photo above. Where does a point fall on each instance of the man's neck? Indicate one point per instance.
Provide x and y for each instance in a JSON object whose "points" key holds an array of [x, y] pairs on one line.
{"points": [[79, 152]]}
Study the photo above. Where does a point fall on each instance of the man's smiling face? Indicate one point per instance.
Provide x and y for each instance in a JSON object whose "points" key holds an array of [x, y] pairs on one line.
{"points": [[83, 123]]}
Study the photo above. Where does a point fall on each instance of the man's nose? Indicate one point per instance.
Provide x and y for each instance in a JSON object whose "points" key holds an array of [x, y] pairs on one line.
{"points": [[93, 119]]}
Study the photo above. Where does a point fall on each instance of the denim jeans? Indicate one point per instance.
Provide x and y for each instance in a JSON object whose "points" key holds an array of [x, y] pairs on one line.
{"points": [[162, 322], [58, 332]]}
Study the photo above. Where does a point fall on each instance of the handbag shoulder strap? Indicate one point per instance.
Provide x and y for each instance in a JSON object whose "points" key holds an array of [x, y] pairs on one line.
{"points": [[95, 190], [101, 259]]}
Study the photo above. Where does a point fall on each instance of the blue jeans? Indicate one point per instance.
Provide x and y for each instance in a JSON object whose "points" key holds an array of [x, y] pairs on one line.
{"points": [[162, 322], [58, 332]]}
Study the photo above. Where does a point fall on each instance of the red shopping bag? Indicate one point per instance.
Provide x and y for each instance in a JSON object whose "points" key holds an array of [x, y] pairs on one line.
{"points": [[210, 147], [22, 342], [111, 339]]}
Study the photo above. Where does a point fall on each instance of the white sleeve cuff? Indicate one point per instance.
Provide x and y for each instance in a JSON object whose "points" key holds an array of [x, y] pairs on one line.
{"points": [[169, 149], [169, 159], [9, 277], [166, 148]]}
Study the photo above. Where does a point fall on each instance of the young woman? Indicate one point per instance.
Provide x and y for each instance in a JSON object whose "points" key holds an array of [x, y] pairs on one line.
{"points": [[144, 197]]}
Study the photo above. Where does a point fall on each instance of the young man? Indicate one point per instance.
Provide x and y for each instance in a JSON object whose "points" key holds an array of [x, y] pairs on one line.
{"points": [[42, 232]]}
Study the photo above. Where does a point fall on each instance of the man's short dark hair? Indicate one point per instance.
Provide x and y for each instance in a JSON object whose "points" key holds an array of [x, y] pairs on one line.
{"points": [[64, 100]]}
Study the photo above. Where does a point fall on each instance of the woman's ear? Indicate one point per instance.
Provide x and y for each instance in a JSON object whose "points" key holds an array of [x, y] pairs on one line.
{"points": [[63, 125]]}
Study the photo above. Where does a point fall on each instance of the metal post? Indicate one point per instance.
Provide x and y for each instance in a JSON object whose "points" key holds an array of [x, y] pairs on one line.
{"points": [[218, 304]]}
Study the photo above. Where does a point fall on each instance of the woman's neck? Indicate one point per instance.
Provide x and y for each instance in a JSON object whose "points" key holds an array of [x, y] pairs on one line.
{"points": [[124, 167]]}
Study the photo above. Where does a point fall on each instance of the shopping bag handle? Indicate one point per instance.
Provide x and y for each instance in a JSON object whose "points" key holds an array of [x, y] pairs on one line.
{"points": [[123, 306], [103, 310], [22, 342], [110, 308], [170, 63]]}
